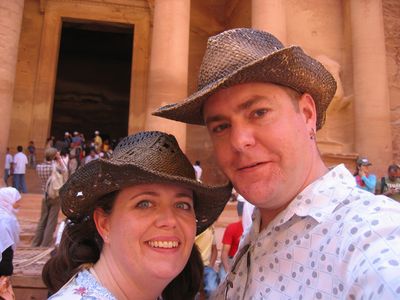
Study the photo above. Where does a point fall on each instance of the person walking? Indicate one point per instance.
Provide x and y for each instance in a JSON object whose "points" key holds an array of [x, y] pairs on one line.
{"points": [[19, 168], [7, 166]]}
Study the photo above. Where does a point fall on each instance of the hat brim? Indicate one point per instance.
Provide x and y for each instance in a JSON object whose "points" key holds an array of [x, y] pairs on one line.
{"points": [[289, 67], [80, 193]]}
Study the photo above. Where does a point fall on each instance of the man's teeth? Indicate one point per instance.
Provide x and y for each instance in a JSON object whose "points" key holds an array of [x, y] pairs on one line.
{"points": [[163, 244]]}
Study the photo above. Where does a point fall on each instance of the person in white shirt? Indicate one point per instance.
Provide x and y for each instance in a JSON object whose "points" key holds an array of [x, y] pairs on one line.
{"points": [[20, 162], [7, 166], [198, 170], [315, 234]]}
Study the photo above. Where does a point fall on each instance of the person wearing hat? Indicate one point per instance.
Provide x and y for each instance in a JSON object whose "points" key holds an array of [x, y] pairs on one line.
{"points": [[98, 141], [132, 222], [365, 180], [50, 205], [315, 234]]}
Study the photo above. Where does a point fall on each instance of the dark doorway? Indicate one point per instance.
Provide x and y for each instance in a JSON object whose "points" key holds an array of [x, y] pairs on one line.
{"points": [[93, 80]]}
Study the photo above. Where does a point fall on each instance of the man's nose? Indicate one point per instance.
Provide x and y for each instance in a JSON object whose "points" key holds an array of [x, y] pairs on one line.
{"points": [[242, 137]]}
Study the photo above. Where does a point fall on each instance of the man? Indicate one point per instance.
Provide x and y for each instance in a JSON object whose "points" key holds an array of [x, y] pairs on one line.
{"points": [[98, 141], [390, 185], [197, 170], [50, 206], [32, 154], [315, 235], [364, 179], [19, 165], [7, 166]]}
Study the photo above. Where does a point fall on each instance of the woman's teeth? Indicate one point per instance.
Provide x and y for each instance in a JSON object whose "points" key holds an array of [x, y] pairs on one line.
{"points": [[163, 244]]}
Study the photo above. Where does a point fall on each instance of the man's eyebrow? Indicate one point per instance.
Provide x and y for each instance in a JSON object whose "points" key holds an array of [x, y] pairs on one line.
{"points": [[253, 100], [243, 106]]}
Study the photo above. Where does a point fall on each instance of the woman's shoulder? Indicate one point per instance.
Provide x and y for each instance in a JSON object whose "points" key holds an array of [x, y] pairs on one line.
{"points": [[83, 286]]}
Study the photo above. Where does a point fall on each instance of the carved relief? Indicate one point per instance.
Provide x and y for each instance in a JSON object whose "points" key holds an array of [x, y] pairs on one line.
{"points": [[334, 135]]}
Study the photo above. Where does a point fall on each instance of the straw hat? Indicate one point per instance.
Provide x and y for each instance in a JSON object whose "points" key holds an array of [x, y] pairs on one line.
{"points": [[146, 157], [248, 55]]}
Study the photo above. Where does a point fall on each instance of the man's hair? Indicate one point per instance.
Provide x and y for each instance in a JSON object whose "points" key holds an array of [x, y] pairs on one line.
{"points": [[393, 168], [50, 154], [19, 148], [197, 163]]}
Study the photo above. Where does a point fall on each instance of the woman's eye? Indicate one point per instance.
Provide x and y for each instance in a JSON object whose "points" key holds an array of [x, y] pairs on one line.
{"points": [[220, 127], [144, 204], [184, 205]]}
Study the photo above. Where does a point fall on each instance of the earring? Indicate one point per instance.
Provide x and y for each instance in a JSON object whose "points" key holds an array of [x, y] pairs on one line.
{"points": [[312, 134]]}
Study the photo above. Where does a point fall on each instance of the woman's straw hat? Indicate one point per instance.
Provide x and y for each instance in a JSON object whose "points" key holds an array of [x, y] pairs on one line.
{"points": [[248, 55], [146, 157]]}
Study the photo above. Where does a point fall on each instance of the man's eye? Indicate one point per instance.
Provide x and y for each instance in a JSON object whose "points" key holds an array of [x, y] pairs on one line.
{"points": [[259, 112], [220, 127], [184, 205], [144, 204]]}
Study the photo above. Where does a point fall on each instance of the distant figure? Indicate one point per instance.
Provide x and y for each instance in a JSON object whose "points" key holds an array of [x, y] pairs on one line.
{"points": [[50, 206], [230, 243], [91, 156], [50, 142], [390, 185], [7, 166], [365, 180], [31, 154], [9, 238], [198, 170], [207, 245], [98, 141], [20, 162]]}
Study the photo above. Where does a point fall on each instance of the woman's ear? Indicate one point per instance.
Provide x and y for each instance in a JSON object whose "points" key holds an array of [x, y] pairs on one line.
{"points": [[102, 222]]}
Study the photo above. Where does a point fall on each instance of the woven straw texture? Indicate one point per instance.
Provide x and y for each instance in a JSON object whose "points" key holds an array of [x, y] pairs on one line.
{"points": [[247, 55], [146, 157]]}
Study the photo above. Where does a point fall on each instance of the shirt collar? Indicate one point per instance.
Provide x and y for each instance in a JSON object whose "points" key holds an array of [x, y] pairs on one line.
{"points": [[323, 196], [318, 200]]}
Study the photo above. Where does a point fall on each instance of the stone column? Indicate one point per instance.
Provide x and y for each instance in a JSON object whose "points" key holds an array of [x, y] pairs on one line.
{"points": [[371, 101], [10, 28], [270, 15], [168, 74]]}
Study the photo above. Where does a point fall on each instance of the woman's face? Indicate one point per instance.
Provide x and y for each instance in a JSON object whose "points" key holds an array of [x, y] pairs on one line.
{"points": [[150, 231]]}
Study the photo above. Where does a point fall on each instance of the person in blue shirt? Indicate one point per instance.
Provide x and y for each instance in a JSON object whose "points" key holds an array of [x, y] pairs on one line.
{"points": [[365, 180]]}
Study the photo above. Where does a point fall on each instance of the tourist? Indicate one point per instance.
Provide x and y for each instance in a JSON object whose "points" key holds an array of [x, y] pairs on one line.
{"points": [[365, 180], [31, 154], [198, 170], [50, 207], [132, 224], [7, 166], [9, 237], [315, 234], [19, 169], [390, 185]]}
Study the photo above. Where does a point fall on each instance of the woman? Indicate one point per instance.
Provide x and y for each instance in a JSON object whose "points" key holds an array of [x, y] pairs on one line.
{"points": [[9, 237], [132, 223], [364, 179]]}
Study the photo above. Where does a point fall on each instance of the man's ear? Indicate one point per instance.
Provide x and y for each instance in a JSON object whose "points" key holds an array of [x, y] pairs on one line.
{"points": [[308, 110], [102, 222]]}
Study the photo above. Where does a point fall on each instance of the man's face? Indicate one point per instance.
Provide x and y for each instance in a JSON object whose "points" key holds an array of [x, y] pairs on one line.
{"points": [[261, 138]]}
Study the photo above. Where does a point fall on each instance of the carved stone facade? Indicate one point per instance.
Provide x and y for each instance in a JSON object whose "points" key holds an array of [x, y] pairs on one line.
{"points": [[162, 70]]}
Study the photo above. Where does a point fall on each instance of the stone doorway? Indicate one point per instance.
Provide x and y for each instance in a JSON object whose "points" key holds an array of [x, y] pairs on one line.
{"points": [[93, 80]]}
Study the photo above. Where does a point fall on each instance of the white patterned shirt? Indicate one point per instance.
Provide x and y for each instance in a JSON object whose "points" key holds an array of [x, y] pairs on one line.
{"points": [[333, 241]]}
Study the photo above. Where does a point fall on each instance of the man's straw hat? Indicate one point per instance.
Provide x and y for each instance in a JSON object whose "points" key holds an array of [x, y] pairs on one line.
{"points": [[247, 55], [146, 157]]}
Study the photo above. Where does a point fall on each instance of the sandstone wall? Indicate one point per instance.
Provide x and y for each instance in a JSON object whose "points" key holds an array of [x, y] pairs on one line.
{"points": [[391, 9]]}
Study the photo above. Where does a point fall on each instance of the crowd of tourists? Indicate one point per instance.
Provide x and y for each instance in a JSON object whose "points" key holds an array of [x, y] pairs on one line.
{"points": [[315, 233]]}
